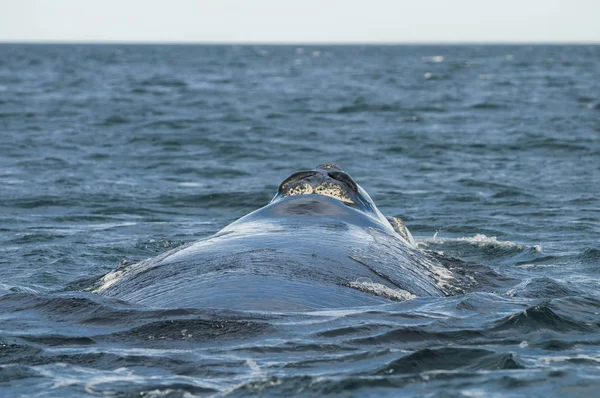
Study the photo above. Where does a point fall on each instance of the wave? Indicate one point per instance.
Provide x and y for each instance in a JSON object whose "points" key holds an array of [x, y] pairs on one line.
{"points": [[451, 358], [78, 340], [478, 240], [488, 249]]}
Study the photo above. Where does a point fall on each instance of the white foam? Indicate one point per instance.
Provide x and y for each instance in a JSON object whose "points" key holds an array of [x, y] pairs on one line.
{"points": [[11, 181], [436, 59], [191, 184], [104, 226], [478, 240], [254, 366], [337, 313], [483, 240], [166, 393]]}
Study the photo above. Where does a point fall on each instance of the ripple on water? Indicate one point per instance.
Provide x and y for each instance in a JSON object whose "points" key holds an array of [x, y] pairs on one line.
{"points": [[451, 358], [113, 152]]}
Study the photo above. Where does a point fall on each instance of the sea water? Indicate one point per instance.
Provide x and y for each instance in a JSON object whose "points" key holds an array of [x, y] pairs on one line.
{"points": [[112, 153]]}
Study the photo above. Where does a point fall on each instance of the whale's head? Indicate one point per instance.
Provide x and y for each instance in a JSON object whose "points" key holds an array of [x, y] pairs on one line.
{"points": [[331, 181], [323, 193]]}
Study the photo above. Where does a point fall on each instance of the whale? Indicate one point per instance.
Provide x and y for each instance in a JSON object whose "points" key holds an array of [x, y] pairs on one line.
{"points": [[320, 243]]}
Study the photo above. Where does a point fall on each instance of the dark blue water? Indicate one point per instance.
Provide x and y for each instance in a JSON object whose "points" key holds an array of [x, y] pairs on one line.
{"points": [[491, 154]]}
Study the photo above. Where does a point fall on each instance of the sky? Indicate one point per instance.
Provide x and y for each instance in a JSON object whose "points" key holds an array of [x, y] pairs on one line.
{"points": [[300, 21]]}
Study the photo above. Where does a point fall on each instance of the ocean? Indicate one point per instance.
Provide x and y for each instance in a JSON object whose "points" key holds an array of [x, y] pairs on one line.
{"points": [[112, 153]]}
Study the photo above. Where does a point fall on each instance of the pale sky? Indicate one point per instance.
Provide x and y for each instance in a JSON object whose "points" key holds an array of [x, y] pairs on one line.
{"points": [[300, 21]]}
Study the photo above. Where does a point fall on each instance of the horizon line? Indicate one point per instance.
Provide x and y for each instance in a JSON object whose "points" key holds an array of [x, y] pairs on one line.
{"points": [[301, 43]]}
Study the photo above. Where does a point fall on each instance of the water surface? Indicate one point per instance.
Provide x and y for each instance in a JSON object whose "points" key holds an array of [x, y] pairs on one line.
{"points": [[489, 153]]}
